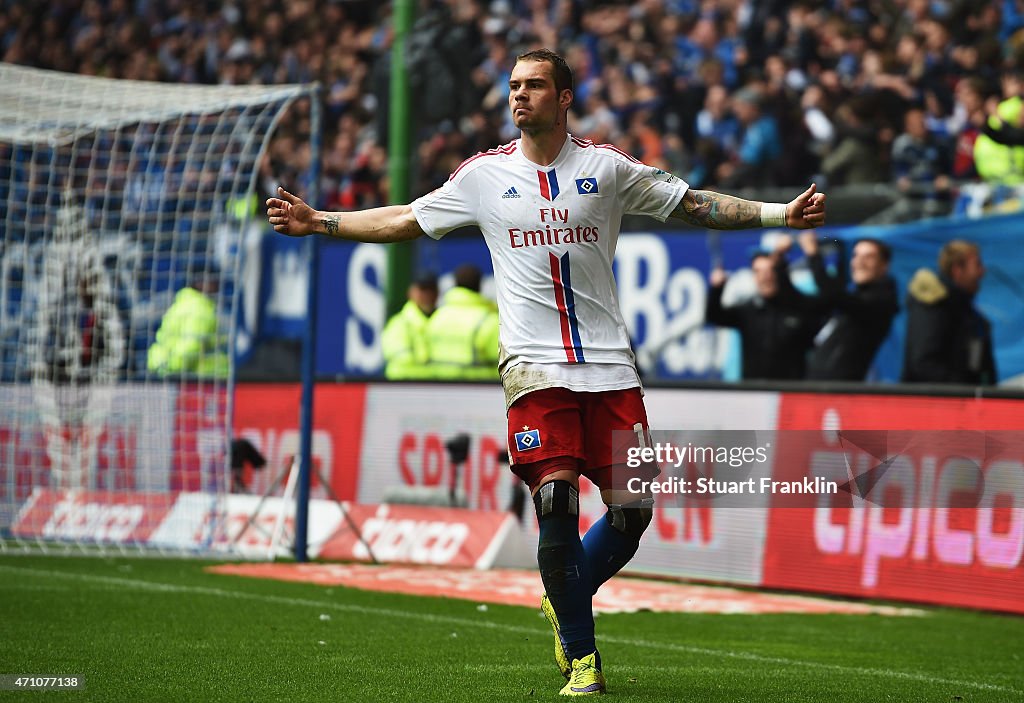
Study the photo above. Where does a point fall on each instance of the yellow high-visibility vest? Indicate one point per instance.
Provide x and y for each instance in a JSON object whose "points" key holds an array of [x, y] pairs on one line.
{"points": [[1000, 163], [462, 336], [187, 340], [404, 344]]}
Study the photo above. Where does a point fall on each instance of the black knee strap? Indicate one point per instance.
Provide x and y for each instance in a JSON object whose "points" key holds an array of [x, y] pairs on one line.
{"points": [[556, 498], [631, 519]]}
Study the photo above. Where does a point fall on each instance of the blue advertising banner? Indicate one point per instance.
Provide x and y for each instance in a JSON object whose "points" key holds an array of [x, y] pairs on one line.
{"points": [[350, 308], [662, 282], [283, 291]]}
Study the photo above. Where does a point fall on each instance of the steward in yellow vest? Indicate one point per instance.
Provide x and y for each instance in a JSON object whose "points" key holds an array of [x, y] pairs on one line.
{"points": [[404, 340], [996, 157], [188, 341], [462, 334]]}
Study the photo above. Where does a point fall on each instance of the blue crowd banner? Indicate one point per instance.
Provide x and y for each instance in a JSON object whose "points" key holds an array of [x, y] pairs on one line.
{"points": [[1001, 299]]}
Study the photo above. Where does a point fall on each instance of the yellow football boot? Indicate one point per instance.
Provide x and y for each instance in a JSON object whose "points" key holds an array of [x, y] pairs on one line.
{"points": [[560, 657], [585, 679]]}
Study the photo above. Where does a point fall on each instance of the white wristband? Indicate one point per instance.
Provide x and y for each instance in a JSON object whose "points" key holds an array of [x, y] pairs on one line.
{"points": [[773, 214]]}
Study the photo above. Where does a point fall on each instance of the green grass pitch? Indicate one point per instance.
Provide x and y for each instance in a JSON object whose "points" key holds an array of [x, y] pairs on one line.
{"points": [[160, 630]]}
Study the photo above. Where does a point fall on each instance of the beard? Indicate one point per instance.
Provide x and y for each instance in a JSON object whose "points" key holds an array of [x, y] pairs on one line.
{"points": [[532, 122]]}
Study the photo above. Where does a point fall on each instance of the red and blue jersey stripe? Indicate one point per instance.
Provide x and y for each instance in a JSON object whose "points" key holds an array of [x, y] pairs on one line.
{"points": [[566, 303], [548, 184]]}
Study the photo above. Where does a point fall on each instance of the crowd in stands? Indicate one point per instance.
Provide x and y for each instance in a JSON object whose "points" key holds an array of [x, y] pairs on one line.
{"points": [[724, 93], [834, 333]]}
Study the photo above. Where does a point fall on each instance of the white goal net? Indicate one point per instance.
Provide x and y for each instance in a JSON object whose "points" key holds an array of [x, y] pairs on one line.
{"points": [[122, 207]]}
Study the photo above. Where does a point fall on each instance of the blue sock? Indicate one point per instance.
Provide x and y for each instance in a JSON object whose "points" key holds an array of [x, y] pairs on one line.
{"points": [[608, 550], [613, 540], [564, 568]]}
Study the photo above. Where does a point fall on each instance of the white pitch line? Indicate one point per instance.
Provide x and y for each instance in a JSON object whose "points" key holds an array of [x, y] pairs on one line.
{"points": [[463, 622]]}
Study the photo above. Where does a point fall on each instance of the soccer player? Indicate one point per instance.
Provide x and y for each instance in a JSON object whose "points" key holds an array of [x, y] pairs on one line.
{"points": [[550, 206]]}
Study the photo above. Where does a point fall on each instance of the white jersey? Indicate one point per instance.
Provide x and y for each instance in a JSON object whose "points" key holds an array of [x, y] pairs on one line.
{"points": [[551, 232]]}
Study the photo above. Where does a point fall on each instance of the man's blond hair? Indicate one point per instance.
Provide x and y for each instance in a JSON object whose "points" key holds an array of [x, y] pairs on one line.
{"points": [[955, 252]]}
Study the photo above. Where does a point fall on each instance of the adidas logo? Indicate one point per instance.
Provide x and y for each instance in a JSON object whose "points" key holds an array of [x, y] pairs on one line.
{"points": [[511, 193]]}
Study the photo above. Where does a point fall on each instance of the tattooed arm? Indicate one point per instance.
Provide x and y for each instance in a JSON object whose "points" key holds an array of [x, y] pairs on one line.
{"points": [[290, 215], [705, 208]]}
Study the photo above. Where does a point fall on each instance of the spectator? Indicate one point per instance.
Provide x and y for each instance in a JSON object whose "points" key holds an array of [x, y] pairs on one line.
{"points": [[817, 122], [996, 157], [404, 340], [920, 163], [939, 119], [969, 114], [948, 339], [462, 334], [778, 325], [188, 340], [715, 122], [599, 123], [1007, 133], [862, 315], [759, 144], [854, 159]]}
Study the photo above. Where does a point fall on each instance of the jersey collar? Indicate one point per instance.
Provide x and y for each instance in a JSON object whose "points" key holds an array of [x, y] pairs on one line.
{"points": [[566, 147]]}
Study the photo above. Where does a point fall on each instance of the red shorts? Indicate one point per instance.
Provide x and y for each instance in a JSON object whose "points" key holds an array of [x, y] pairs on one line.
{"points": [[576, 427]]}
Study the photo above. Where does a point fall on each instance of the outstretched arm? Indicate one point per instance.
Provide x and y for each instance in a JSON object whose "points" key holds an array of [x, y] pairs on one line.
{"points": [[705, 208], [290, 215], [714, 312]]}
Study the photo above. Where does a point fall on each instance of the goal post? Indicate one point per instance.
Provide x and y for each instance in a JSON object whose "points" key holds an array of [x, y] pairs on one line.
{"points": [[123, 211]]}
